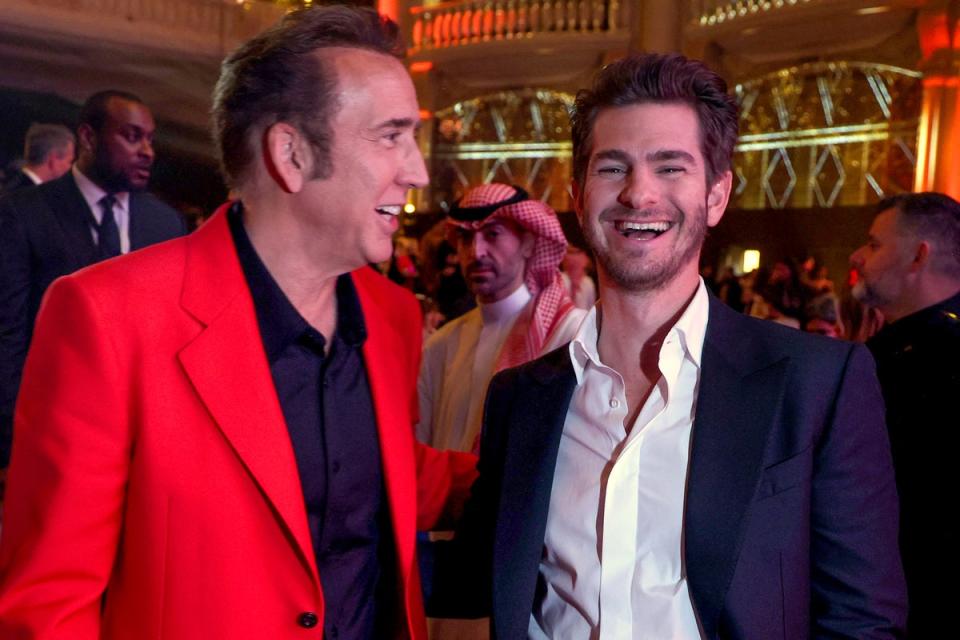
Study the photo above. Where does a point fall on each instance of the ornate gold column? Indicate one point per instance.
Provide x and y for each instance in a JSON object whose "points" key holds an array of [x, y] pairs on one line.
{"points": [[938, 137], [659, 25]]}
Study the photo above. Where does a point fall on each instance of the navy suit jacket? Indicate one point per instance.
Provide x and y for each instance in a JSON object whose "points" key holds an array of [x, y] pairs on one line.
{"points": [[15, 182], [791, 513], [44, 234]]}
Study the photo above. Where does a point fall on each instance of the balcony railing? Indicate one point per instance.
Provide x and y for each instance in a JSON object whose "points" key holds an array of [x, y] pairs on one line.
{"points": [[712, 12], [461, 23], [217, 24]]}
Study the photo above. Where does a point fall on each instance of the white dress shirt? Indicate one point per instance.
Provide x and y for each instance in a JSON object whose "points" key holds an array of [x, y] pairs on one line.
{"points": [[30, 174], [93, 194], [613, 552]]}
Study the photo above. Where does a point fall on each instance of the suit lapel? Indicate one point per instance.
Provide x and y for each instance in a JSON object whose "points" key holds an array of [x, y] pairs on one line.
{"points": [[139, 225], [533, 432], [229, 370], [74, 216], [738, 402], [385, 365]]}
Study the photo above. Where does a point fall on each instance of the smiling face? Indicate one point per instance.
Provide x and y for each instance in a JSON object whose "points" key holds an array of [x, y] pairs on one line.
{"points": [[493, 259], [120, 155], [645, 204], [374, 159]]}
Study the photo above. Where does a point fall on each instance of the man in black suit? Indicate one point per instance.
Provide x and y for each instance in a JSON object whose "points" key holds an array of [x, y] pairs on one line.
{"points": [[48, 152], [678, 470], [909, 269], [97, 210]]}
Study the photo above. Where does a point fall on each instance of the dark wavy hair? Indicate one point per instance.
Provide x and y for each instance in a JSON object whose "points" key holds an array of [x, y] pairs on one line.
{"points": [[654, 78], [275, 77]]}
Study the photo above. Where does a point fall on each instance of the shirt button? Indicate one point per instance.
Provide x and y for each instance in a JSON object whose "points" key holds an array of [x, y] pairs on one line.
{"points": [[614, 403], [308, 620]]}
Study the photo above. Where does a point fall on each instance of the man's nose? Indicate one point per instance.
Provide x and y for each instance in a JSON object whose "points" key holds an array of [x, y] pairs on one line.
{"points": [[478, 246], [640, 190], [146, 148], [413, 172]]}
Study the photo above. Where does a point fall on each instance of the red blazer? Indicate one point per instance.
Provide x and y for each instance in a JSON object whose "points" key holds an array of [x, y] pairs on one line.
{"points": [[151, 459]]}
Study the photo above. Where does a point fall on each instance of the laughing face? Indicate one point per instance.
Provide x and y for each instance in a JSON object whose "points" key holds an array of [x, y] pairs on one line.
{"points": [[645, 204], [374, 160]]}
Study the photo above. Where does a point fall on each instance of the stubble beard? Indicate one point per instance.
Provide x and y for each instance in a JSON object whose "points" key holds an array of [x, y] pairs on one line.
{"points": [[642, 273], [868, 295]]}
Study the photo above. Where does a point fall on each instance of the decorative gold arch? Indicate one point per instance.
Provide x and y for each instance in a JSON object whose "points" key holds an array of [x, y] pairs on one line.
{"points": [[519, 137], [826, 134]]}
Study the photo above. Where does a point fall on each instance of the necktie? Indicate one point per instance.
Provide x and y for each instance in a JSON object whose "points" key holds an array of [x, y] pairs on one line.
{"points": [[108, 235]]}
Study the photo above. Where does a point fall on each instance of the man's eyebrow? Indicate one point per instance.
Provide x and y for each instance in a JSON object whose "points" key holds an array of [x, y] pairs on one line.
{"points": [[398, 123], [665, 155], [613, 154]]}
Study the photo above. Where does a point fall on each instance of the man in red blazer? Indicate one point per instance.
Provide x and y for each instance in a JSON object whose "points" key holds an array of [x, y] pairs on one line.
{"points": [[214, 435]]}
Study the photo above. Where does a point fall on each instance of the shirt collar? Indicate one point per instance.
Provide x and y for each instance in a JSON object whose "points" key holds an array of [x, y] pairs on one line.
{"points": [[279, 321], [93, 194], [507, 308], [30, 174], [690, 328]]}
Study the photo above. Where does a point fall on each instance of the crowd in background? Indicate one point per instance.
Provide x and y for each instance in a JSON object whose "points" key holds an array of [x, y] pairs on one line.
{"points": [[797, 294]]}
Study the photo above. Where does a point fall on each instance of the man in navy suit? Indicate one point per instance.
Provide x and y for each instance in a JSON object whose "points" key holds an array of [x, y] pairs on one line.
{"points": [[678, 470], [97, 210]]}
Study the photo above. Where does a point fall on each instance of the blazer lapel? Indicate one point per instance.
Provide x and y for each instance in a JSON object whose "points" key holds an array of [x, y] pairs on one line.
{"points": [[533, 435], [384, 365], [738, 403], [74, 217], [229, 370], [139, 223]]}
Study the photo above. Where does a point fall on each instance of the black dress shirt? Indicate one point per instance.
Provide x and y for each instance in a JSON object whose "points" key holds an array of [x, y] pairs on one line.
{"points": [[329, 413]]}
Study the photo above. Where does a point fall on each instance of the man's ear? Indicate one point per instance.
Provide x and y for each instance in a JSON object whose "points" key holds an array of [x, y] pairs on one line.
{"points": [[86, 138], [527, 243], [718, 195], [287, 156], [921, 256]]}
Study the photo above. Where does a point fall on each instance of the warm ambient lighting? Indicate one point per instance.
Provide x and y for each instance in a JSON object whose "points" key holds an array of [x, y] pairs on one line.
{"points": [[421, 67], [409, 208], [751, 260], [867, 11]]}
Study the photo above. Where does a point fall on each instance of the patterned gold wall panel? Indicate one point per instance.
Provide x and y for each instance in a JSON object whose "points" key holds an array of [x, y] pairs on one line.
{"points": [[519, 137], [826, 134]]}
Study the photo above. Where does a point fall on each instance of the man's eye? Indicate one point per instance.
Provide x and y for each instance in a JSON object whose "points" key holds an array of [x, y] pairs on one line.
{"points": [[670, 170], [393, 137], [611, 170]]}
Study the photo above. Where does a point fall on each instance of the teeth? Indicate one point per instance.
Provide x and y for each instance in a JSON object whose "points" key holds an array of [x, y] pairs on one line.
{"points": [[653, 227], [390, 209]]}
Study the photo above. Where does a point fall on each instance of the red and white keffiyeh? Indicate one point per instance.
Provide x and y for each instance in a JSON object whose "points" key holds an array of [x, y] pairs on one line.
{"points": [[551, 301]]}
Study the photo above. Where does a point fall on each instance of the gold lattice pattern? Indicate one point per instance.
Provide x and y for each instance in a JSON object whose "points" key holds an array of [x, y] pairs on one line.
{"points": [[518, 137], [826, 134]]}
